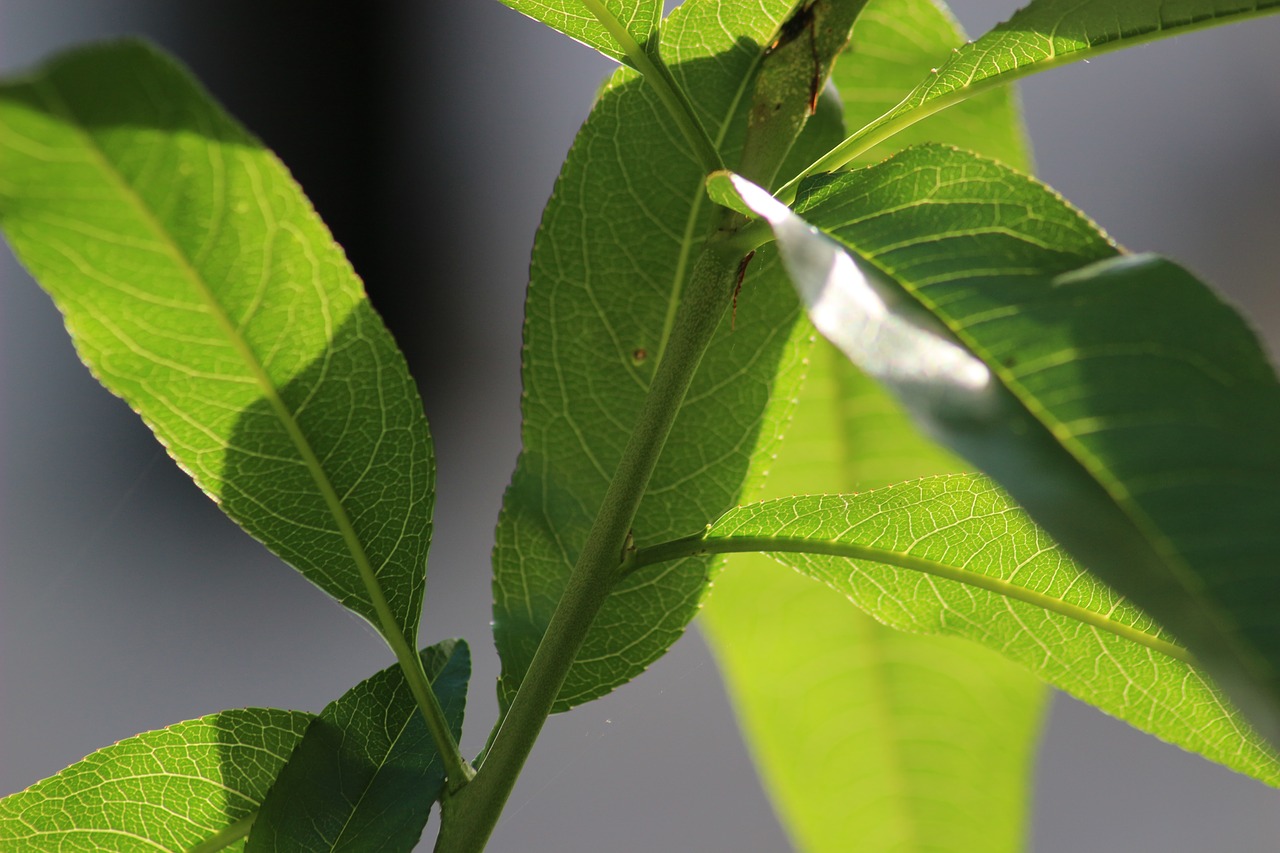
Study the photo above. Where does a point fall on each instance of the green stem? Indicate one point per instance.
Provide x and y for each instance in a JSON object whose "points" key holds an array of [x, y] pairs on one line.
{"points": [[472, 812], [657, 75], [698, 544]]}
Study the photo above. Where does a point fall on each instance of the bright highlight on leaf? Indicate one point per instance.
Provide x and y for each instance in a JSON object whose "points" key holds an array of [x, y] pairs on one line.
{"points": [[955, 726], [366, 773], [194, 786], [1108, 431], [199, 285]]}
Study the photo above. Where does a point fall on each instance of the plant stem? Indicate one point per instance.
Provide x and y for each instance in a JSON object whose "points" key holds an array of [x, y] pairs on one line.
{"points": [[472, 812], [657, 75]]}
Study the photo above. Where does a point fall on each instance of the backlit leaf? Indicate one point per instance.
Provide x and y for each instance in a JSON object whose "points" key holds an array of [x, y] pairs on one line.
{"points": [[952, 555], [194, 786], [618, 237], [639, 18], [367, 772], [1117, 399], [199, 285]]}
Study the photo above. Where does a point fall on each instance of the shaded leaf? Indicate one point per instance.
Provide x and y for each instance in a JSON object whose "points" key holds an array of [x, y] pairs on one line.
{"points": [[367, 772], [193, 786], [199, 285], [1027, 359], [618, 237], [639, 18]]}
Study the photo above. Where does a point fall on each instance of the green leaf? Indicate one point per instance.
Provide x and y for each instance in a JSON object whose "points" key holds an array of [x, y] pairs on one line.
{"points": [[639, 19], [953, 555], [1043, 35], [199, 285], [895, 43], [1124, 405], [367, 772], [193, 786], [617, 240], [844, 715]]}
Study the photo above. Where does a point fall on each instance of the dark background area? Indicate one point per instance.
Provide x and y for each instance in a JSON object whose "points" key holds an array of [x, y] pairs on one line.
{"points": [[428, 135]]}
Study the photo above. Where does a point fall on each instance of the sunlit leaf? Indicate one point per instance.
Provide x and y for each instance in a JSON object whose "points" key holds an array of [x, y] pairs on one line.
{"points": [[618, 237], [367, 772], [1043, 35], [953, 555], [832, 702], [193, 786], [199, 285], [638, 18], [1013, 349]]}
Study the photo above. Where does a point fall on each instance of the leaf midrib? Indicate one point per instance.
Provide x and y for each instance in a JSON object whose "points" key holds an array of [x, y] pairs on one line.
{"points": [[389, 627], [730, 544]]}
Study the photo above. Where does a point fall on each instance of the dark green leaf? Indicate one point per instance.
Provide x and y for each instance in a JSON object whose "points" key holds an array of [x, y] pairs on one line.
{"points": [[367, 772], [1123, 404], [199, 285], [194, 786]]}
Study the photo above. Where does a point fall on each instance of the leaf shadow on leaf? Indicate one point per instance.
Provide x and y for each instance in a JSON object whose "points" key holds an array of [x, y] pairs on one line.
{"points": [[270, 491]]}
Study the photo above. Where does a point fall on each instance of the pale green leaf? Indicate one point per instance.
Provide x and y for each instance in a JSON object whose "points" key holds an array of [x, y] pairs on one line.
{"points": [[194, 786], [638, 18], [367, 772], [870, 738], [198, 284], [617, 240], [953, 555], [1125, 406], [1043, 35]]}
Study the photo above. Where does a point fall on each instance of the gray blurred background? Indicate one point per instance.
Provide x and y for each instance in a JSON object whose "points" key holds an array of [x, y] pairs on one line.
{"points": [[428, 135]]}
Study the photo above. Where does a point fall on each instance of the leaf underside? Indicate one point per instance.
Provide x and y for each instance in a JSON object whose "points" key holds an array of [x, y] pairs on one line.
{"points": [[617, 238], [193, 785], [869, 737], [1111, 432], [199, 285], [921, 556], [367, 772], [640, 18], [1046, 34]]}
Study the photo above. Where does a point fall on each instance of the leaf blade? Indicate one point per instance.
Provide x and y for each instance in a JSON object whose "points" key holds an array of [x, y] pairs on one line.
{"points": [[1042, 35], [640, 18], [367, 772], [199, 285], [193, 783], [844, 715], [1106, 430], [1036, 606], [597, 322]]}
